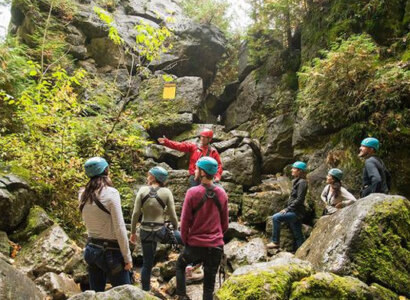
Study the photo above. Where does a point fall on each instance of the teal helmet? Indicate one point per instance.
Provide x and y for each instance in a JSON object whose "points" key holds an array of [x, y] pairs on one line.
{"points": [[336, 173], [300, 165], [371, 143], [159, 173], [208, 164], [95, 166]]}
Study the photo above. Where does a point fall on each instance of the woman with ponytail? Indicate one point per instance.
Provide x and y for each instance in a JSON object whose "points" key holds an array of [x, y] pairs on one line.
{"points": [[334, 194], [107, 251]]}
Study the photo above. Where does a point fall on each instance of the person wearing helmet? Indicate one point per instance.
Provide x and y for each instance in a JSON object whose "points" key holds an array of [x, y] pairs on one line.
{"points": [[295, 209], [151, 202], [204, 149], [376, 178], [334, 195], [107, 251], [204, 220]]}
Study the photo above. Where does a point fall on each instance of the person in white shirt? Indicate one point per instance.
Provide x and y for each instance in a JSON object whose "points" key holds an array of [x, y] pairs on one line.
{"points": [[107, 251], [334, 195]]}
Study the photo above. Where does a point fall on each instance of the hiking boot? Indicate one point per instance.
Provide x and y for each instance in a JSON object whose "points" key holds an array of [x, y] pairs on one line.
{"points": [[272, 245]]}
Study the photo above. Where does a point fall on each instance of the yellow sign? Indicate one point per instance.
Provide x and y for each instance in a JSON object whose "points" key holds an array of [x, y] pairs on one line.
{"points": [[169, 91]]}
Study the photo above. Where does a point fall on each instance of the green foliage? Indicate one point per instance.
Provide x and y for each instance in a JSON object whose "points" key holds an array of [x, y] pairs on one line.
{"points": [[151, 42], [208, 12], [352, 83], [274, 22], [109, 21]]}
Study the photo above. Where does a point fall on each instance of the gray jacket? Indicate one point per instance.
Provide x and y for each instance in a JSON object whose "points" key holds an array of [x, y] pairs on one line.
{"points": [[374, 177]]}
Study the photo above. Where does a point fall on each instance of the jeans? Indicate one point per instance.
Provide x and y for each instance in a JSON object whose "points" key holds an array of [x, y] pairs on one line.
{"points": [[295, 226], [211, 258], [148, 254], [103, 265]]}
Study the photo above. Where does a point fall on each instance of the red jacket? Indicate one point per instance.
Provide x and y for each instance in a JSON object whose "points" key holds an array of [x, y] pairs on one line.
{"points": [[207, 227], [196, 153]]}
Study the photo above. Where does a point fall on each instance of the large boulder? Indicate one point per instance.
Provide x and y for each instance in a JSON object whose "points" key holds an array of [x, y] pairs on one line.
{"points": [[243, 163], [239, 231], [239, 253], [16, 285], [268, 280], [235, 195], [277, 144], [15, 201], [123, 292], [256, 207], [330, 286], [36, 222], [58, 286], [367, 240], [51, 251]]}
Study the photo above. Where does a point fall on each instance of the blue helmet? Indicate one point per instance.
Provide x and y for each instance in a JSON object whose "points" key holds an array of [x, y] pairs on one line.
{"points": [[336, 173], [300, 165], [208, 164], [371, 143], [95, 166], [159, 173]]}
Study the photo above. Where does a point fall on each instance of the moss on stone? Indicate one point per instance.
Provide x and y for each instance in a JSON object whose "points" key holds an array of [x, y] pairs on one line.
{"points": [[267, 284], [384, 254], [380, 292], [330, 286]]}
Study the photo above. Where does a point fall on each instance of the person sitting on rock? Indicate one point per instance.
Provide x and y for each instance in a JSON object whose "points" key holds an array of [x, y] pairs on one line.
{"points": [[204, 149], [334, 195], [295, 209], [376, 177], [204, 220], [107, 252], [150, 202]]}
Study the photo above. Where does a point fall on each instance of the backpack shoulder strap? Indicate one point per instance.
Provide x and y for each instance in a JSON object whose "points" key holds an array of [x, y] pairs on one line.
{"points": [[153, 194], [209, 193], [99, 204]]}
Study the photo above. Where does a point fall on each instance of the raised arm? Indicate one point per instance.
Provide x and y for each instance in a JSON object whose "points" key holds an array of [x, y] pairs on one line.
{"points": [[180, 146]]}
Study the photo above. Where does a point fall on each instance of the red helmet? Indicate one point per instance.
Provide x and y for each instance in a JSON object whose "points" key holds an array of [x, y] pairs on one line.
{"points": [[207, 133]]}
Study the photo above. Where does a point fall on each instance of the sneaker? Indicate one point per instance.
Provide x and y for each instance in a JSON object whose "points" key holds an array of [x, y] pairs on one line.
{"points": [[196, 276], [188, 271], [272, 245]]}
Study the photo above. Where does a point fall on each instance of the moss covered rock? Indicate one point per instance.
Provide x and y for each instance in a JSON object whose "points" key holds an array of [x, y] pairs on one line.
{"points": [[368, 240], [270, 280], [37, 221], [124, 292], [381, 293], [330, 286]]}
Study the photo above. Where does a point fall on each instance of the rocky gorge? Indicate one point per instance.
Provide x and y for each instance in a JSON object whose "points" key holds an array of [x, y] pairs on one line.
{"points": [[360, 252]]}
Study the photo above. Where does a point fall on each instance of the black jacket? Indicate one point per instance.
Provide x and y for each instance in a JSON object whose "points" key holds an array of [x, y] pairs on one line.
{"points": [[296, 202], [374, 177]]}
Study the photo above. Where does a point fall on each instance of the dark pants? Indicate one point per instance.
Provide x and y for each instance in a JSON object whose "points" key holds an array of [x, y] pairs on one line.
{"points": [[210, 257], [103, 265], [148, 254], [295, 226]]}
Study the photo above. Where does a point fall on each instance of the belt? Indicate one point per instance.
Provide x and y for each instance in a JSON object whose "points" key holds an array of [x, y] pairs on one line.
{"points": [[152, 224], [103, 243]]}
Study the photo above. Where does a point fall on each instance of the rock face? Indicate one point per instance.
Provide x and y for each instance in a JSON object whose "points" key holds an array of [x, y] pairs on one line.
{"points": [[123, 292], [241, 253], [4, 244], [37, 221], [52, 251], [15, 201], [366, 240], [243, 163], [58, 286], [16, 285], [269, 280], [330, 286]]}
